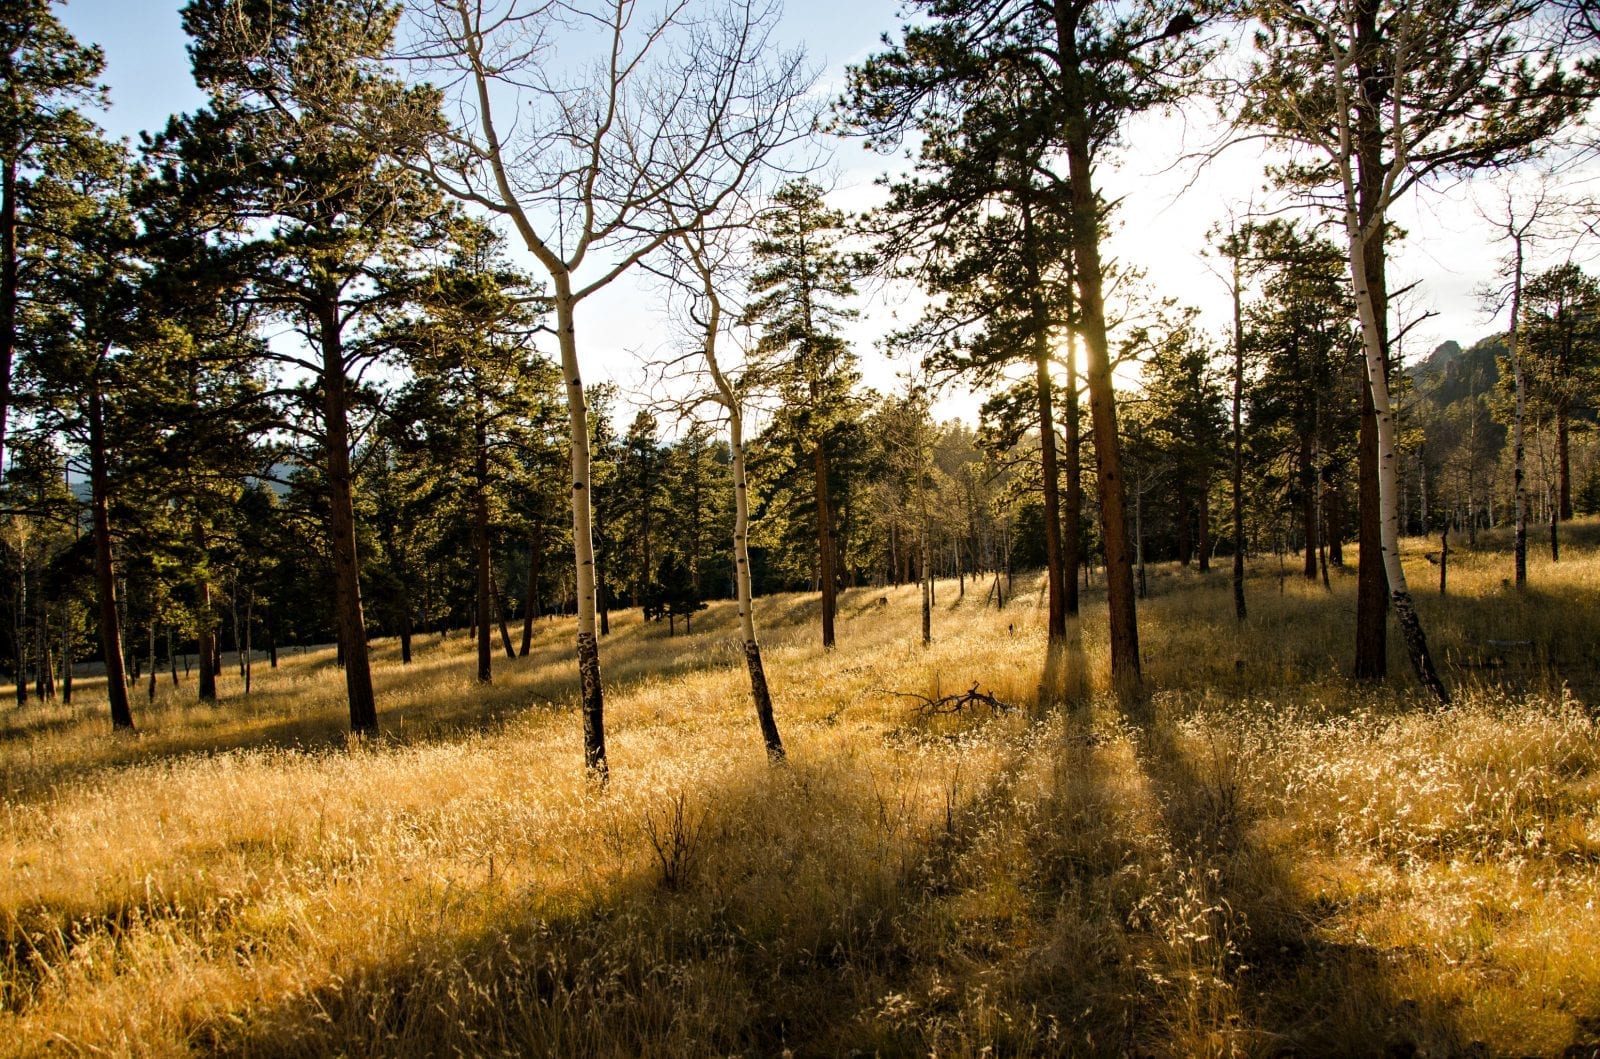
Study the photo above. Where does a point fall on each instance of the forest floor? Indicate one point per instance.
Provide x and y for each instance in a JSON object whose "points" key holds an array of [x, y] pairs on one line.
{"points": [[1268, 859]]}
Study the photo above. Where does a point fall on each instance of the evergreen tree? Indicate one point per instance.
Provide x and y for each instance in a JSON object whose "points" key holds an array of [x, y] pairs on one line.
{"points": [[803, 281], [323, 217]]}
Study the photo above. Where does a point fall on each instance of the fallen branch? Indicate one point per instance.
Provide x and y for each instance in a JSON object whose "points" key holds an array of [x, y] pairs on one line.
{"points": [[928, 705]]}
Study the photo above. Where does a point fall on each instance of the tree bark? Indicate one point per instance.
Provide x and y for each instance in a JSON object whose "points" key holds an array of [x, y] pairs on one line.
{"points": [[530, 605], [1237, 482], [1518, 449], [342, 528], [8, 282], [593, 702], [1372, 634], [1564, 462], [827, 579], [1388, 467], [1086, 216], [480, 552], [105, 571]]}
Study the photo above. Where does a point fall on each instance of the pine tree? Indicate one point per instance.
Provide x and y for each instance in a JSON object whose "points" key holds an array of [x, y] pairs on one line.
{"points": [[801, 287]]}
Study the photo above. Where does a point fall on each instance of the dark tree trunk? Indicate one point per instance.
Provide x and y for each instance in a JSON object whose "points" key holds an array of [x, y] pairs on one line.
{"points": [[105, 571], [1336, 528], [530, 606], [1372, 584], [480, 552], [1564, 464], [1204, 517], [66, 652], [249, 657], [500, 616], [1086, 217], [342, 527], [8, 285], [1237, 482], [1308, 512], [205, 631], [827, 578], [1049, 472]]}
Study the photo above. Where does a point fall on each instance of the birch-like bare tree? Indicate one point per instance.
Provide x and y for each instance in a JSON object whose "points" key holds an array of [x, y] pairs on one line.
{"points": [[600, 131], [1380, 97], [1517, 218], [705, 258]]}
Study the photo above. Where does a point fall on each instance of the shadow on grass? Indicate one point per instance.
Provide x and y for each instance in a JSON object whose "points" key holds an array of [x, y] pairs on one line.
{"points": [[754, 947], [1099, 893], [1288, 988]]}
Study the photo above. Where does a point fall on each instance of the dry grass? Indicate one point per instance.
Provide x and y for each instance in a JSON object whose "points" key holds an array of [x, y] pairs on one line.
{"points": [[1281, 861]]}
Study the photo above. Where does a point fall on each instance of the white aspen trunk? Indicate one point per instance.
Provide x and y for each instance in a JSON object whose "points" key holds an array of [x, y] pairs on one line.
{"points": [[1388, 468], [593, 704], [760, 694]]}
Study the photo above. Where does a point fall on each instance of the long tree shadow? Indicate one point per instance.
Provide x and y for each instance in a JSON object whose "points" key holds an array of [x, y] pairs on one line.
{"points": [[1293, 989], [781, 928]]}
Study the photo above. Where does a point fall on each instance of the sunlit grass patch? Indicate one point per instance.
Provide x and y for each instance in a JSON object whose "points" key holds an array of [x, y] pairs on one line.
{"points": [[1280, 859]]}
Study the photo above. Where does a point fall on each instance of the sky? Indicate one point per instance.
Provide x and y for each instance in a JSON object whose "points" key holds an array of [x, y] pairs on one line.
{"points": [[1165, 206]]}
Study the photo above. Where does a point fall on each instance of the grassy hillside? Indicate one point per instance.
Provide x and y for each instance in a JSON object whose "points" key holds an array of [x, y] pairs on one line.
{"points": [[1270, 860]]}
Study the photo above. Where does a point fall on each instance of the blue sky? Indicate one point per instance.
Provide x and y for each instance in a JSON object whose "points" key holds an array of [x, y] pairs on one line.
{"points": [[1164, 213]]}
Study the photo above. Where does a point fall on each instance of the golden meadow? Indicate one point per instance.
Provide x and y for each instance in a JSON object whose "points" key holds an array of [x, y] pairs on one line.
{"points": [[1270, 860]]}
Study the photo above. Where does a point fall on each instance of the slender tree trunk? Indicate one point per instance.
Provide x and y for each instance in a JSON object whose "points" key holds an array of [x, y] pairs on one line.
{"points": [[249, 656], [8, 276], [1049, 472], [593, 702], [1086, 216], [1444, 556], [1372, 591], [827, 579], [172, 658], [105, 571], [66, 652], [530, 606], [927, 582], [500, 617], [1072, 502], [342, 526], [1564, 462], [480, 553], [19, 639], [1236, 483], [1518, 449], [1388, 467], [1308, 488], [150, 691]]}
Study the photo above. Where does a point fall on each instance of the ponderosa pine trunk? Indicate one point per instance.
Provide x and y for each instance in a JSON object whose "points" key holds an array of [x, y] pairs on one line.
{"points": [[500, 618], [1519, 481], [1086, 214], [480, 554], [104, 570], [205, 631], [66, 652], [1049, 470], [8, 283], [1236, 484], [827, 579], [1564, 462], [342, 528], [530, 605]]}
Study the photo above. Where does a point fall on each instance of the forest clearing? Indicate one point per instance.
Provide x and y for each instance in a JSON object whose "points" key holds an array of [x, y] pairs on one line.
{"points": [[1274, 860]]}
